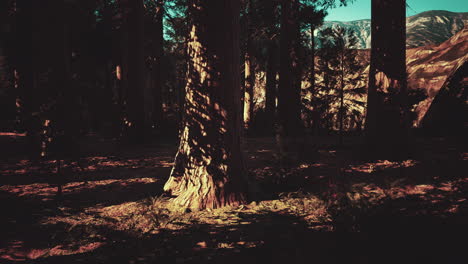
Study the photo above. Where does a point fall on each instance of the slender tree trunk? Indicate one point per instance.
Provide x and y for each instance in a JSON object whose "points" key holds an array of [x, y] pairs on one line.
{"points": [[249, 86], [386, 119], [208, 170], [249, 71], [157, 65], [65, 124], [271, 87], [312, 59], [288, 96], [137, 105], [341, 110], [26, 76], [314, 113], [271, 68]]}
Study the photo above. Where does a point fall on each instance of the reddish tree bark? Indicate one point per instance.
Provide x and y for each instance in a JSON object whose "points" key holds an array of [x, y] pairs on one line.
{"points": [[249, 70], [208, 170]]}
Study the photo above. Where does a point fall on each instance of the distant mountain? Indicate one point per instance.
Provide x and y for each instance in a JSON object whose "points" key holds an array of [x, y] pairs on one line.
{"points": [[432, 69], [362, 28], [427, 28], [433, 27]]}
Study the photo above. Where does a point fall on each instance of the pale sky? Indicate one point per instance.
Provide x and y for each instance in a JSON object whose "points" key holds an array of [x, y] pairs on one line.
{"points": [[361, 9]]}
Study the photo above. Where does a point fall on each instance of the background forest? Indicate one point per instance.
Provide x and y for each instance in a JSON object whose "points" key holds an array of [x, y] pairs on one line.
{"points": [[226, 131]]}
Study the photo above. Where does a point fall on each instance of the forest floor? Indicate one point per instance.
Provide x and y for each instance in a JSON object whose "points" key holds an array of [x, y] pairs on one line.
{"points": [[324, 205]]}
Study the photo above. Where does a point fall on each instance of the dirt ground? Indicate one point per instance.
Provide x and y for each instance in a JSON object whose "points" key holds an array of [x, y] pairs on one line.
{"points": [[316, 203]]}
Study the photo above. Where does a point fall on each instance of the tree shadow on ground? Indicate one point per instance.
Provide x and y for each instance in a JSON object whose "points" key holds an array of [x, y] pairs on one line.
{"points": [[425, 225], [278, 237]]}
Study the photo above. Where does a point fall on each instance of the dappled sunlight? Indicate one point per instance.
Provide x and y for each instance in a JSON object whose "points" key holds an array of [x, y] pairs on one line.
{"points": [[18, 250], [46, 190], [12, 134], [120, 207], [15, 251], [108, 162], [38, 189], [381, 165]]}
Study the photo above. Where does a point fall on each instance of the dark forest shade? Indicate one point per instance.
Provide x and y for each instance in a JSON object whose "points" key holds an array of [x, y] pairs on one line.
{"points": [[289, 91], [271, 89], [158, 49], [387, 95], [208, 170], [134, 69], [25, 66]]}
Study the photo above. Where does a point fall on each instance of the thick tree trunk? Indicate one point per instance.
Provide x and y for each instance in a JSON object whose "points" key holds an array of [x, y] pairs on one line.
{"points": [[386, 119], [136, 105], [289, 95], [208, 170]]}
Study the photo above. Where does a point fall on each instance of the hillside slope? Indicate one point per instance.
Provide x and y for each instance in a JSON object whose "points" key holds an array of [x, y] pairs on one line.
{"points": [[430, 67], [427, 28]]}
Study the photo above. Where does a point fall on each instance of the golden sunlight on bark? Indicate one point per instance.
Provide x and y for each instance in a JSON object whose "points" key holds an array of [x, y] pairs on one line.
{"points": [[118, 72], [248, 92], [208, 170]]}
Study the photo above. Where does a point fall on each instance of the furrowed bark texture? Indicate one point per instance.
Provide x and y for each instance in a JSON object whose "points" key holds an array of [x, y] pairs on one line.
{"points": [[208, 170]]}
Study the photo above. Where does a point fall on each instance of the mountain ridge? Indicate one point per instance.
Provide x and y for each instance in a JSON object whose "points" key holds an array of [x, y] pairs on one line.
{"points": [[431, 27]]}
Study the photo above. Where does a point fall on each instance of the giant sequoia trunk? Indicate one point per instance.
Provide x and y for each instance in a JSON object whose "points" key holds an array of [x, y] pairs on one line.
{"points": [[136, 94], [208, 170], [386, 118], [289, 100]]}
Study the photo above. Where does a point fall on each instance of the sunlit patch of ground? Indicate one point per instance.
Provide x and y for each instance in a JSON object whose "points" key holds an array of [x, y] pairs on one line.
{"points": [[97, 163], [41, 190], [88, 164], [17, 253], [109, 214], [381, 165], [12, 134]]}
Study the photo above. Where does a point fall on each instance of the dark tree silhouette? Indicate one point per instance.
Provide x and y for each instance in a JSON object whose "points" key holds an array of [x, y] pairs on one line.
{"points": [[26, 72], [387, 116], [289, 99], [208, 170], [156, 67], [137, 102]]}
